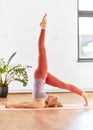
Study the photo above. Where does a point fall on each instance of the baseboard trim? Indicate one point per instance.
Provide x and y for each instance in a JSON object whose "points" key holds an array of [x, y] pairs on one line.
{"points": [[46, 90]]}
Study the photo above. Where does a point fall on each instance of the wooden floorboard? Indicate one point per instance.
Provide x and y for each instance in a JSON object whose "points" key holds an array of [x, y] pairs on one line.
{"points": [[79, 119]]}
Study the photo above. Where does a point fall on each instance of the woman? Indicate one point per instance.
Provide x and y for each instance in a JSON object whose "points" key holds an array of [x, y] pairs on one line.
{"points": [[42, 76]]}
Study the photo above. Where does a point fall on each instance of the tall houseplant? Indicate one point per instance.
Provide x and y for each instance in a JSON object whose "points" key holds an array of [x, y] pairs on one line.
{"points": [[9, 73]]}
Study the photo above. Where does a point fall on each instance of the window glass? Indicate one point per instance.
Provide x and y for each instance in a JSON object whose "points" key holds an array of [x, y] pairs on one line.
{"points": [[85, 4], [85, 30], [86, 37]]}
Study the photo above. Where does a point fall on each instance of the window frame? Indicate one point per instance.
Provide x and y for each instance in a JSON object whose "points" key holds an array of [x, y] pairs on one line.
{"points": [[82, 13]]}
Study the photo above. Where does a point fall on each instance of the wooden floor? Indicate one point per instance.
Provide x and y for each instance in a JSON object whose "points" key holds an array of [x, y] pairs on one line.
{"points": [[79, 119]]}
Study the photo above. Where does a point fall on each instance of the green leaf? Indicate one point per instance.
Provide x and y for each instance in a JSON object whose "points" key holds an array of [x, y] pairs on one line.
{"points": [[11, 57], [4, 69], [11, 73], [22, 81]]}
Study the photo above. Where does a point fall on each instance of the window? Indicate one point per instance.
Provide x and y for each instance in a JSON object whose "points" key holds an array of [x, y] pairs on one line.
{"points": [[85, 30]]}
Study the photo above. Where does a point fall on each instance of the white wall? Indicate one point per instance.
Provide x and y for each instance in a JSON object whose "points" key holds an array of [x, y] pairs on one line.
{"points": [[19, 31]]}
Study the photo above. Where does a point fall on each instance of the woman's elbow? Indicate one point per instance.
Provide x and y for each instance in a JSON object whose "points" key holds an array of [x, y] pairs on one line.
{"points": [[40, 105]]}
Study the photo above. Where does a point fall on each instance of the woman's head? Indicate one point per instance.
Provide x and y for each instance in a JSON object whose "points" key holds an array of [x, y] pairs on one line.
{"points": [[53, 101]]}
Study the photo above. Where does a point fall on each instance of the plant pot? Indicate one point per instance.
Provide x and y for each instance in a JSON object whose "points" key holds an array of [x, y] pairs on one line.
{"points": [[3, 91]]}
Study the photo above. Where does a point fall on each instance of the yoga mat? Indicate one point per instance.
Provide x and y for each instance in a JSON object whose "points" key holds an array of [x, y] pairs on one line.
{"points": [[65, 107]]}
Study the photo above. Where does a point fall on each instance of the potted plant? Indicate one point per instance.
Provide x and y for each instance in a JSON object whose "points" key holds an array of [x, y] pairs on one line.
{"points": [[9, 73]]}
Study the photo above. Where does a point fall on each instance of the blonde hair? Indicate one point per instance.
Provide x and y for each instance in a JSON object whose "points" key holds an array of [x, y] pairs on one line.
{"points": [[55, 101]]}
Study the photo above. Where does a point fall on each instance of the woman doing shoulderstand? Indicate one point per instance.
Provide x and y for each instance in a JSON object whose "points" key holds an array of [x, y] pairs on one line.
{"points": [[42, 76]]}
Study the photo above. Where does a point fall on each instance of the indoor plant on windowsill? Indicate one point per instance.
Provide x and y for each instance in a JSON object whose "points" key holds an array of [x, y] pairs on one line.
{"points": [[9, 73]]}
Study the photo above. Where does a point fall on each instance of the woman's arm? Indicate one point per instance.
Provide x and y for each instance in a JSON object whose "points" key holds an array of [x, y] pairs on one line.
{"points": [[38, 103]]}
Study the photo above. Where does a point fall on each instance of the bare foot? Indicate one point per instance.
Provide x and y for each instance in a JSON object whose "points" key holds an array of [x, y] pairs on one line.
{"points": [[43, 22], [86, 97]]}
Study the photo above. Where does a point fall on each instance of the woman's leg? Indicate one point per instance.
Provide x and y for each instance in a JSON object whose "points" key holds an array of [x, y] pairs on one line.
{"points": [[52, 80], [41, 71]]}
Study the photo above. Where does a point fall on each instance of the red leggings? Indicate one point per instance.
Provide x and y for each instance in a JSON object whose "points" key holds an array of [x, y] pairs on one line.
{"points": [[42, 69]]}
